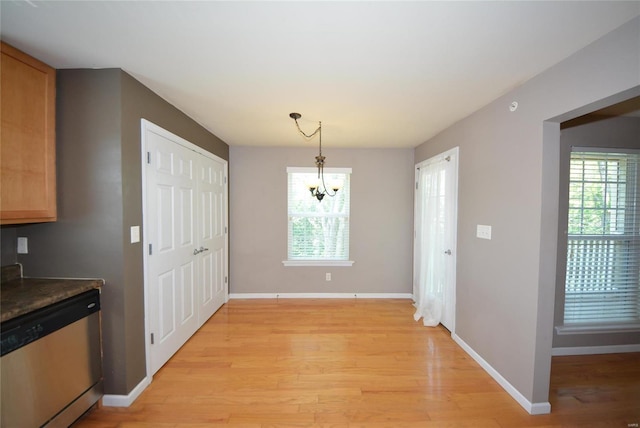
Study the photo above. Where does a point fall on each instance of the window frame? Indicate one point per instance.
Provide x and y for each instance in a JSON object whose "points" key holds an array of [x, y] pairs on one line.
{"points": [[317, 262], [590, 326]]}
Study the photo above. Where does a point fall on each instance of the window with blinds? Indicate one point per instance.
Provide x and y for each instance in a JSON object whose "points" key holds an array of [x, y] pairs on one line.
{"points": [[318, 230], [603, 245]]}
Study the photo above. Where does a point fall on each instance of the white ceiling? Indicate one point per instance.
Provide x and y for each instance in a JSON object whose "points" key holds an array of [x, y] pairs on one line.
{"points": [[377, 74]]}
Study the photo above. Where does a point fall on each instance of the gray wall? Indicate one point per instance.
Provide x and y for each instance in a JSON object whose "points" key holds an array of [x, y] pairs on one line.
{"points": [[590, 131], [86, 241], [8, 248], [381, 223], [509, 163], [99, 198]]}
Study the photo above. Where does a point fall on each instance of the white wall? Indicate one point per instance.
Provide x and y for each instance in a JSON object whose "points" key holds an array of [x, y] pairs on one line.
{"points": [[381, 223], [509, 180]]}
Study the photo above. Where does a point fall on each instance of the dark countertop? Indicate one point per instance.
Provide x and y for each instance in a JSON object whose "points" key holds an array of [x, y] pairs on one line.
{"points": [[19, 295]]}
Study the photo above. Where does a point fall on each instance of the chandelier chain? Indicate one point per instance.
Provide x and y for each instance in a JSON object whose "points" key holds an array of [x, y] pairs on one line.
{"points": [[315, 189], [305, 134]]}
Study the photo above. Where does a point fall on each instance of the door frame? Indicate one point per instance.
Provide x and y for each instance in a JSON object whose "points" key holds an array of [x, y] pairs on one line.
{"points": [[455, 153], [144, 126]]}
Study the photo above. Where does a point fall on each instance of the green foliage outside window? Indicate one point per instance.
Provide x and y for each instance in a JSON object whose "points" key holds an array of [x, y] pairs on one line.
{"points": [[597, 197]]}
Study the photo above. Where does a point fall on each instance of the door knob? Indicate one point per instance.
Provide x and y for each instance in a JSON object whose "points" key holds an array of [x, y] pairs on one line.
{"points": [[448, 252]]}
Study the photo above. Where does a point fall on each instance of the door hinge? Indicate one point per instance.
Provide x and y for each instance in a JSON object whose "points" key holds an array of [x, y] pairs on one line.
{"points": [[152, 338], [149, 157], [225, 179], [150, 249], [416, 185], [225, 229], [225, 279]]}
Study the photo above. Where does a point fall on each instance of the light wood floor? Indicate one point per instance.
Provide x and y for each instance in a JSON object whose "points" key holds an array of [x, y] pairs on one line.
{"points": [[357, 363]]}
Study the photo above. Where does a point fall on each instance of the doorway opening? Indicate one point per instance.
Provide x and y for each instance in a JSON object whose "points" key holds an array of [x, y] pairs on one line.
{"points": [[591, 122], [435, 218]]}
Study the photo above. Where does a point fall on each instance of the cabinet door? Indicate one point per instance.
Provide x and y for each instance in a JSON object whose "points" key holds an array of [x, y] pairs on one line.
{"points": [[27, 139]]}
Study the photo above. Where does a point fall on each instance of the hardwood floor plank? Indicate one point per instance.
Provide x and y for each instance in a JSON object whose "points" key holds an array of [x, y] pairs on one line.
{"points": [[356, 363]]}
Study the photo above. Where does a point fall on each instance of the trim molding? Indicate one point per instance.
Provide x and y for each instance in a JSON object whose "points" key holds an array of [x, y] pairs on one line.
{"points": [[110, 400], [598, 328], [531, 408], [320, 296], [338, 263], [592, 350]]}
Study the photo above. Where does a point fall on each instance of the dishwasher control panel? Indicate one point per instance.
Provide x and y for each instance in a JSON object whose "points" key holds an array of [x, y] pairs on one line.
{"points": [[21, 331]]}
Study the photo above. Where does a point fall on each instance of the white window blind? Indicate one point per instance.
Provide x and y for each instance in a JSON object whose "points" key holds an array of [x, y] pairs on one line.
{"points": [[603, 246], [318, 230]]}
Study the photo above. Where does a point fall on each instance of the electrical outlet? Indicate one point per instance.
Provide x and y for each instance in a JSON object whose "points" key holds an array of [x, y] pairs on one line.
{"points": [[23, 245], [483, 231], [327, 276]]}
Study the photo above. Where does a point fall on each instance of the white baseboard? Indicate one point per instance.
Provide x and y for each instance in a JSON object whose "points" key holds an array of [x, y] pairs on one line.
{"points": [[592, 350], [110, 400], [531, 408], [320, 296], [539, 408]]}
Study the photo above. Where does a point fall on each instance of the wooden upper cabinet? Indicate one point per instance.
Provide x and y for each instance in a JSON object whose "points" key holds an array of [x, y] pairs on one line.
{"points": [[27, 139]]}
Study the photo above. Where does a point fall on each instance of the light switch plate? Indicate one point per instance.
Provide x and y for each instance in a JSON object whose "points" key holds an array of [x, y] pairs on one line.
{"points": [[135, 234], [483, 231]]}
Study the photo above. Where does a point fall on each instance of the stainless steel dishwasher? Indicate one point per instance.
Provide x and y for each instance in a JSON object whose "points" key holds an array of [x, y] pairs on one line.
{"points": [[51, 363]]}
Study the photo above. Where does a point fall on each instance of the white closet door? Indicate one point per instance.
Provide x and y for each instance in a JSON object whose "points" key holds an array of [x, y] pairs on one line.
{"points": [[212, 237], [185, 193], [171, 222]]}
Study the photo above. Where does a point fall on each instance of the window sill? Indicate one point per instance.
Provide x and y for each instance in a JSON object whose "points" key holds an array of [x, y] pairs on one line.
{"points": [[318, 262], [597, 328]]}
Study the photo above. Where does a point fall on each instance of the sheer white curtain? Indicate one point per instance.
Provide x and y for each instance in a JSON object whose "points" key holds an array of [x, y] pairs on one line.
{"points": [[434, 214]]}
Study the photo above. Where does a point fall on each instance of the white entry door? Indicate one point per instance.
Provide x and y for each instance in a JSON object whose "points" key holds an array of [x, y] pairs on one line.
{"points": [[434, 286], [185, 226]]}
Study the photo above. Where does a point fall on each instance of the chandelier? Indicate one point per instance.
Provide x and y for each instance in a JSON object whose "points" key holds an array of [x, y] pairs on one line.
{"points": [[315, 188]]}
